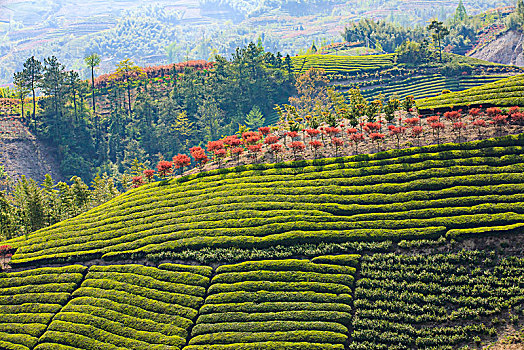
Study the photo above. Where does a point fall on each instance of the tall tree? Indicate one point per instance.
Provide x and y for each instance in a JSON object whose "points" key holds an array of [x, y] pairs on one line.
{"points": [[21, 90], [460, 14], [93, 61], [439, 32], [128, 73], [32, 74], [73, 82], [52, 83]]}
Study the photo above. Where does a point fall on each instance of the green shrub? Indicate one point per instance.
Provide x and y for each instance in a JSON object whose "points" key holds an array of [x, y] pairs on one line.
{"points": [[247, 337], [267, 326], [253, 286], [264, 297], [200, 270], [344, 259], [271, 345], [227, 317]]}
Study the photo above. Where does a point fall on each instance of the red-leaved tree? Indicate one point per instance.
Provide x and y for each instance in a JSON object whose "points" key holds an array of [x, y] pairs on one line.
{"points": [[137, 181], [356, 139], [164, 168], [149, 174], [316, 145], [180, 161], [199, 155], [237, 152], [296, 146], [337, 143]]}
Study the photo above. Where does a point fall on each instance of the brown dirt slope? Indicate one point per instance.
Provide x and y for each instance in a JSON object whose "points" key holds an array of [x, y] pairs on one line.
{"points": [[22, 154], [506, 49]]}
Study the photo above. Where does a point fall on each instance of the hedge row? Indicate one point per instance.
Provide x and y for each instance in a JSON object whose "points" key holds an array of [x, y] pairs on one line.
{"points": [[264, 297], [301, 315], [253, 286], [247, 337], [285, 276], [343, 259], [200, 270], [149, 282], [267, 326], [284, 265], [270, 345]]}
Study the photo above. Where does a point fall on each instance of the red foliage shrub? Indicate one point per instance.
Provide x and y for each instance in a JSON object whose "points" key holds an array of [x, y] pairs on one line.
{"points": [[412, 121], [164, 168], [356, 138], [493, 111], [5, 249], [416, 131], [297, 146], [220, 153], [352, 131], [232, 141], [375, 136], [215, 145], [500, 119], [373, 126], [264, 130], [479, 123], [433, 119], [199, 155], [149, 174], [312, 132], [337, 142], [332, 132], [474, 112], [514, 109], [316, 144], [452, 115], [276, 148], [437, 126], [270, 139], [137, 181], [180, 161], [292, 134], [458, 126], [517, 117]]}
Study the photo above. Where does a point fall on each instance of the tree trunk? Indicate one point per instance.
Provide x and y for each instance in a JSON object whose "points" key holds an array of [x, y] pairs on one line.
{"points": [[93, 87]]}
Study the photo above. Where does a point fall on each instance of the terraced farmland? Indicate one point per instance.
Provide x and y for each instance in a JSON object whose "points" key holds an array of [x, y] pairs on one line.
{"points": [[296, 304], [505, 92], [298, 255], [400, 298], [428, 86], [30, 299], [333, 64], [392, 195]]}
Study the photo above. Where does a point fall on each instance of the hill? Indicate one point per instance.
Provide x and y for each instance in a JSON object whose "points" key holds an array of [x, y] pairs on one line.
{"points": [[144, 30], [506, 49], [410, 247], [381, 74]]}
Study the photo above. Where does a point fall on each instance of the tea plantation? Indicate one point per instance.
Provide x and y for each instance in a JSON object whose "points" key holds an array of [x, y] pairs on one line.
{"points": [[418, 248]]}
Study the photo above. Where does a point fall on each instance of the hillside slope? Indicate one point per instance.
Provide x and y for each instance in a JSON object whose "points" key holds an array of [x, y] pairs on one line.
{"points": [[506, 49], [361, 252]]}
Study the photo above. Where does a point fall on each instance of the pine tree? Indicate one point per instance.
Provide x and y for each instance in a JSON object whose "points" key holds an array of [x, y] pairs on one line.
{"points": [[21, 90], [93, 61], [32, 74], [255, 119], [460, 13]]}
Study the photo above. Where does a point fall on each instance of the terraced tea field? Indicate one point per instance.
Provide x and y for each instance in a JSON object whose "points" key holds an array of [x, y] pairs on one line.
{"points": [[505, 92], [360, 252]]}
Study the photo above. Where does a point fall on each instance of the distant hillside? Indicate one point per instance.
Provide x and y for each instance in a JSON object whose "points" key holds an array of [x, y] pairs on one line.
{"points": [[505, 49]]}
